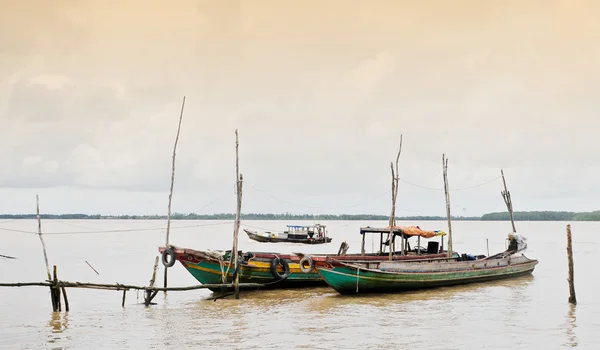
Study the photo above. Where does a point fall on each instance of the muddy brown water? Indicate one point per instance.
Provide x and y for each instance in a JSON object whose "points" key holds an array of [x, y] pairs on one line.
{"points": [[524, 313]]}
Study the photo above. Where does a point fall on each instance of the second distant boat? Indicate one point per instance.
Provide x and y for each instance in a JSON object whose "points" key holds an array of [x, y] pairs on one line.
{"points": [[314, 234]]}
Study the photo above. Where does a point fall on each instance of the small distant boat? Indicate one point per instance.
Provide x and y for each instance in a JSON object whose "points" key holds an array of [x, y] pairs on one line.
{"points": [[396, 276], [314, 234]]}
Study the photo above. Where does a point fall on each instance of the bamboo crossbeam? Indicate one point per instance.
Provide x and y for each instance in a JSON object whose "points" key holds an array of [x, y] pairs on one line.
{"points": [[119, 286]]}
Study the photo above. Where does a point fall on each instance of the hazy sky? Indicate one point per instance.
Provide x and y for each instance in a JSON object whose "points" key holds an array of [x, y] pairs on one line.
{"points": [[320, 91]]}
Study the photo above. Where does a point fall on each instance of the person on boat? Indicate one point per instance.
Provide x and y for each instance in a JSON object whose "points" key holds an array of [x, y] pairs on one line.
{"points": [[513, 245]]}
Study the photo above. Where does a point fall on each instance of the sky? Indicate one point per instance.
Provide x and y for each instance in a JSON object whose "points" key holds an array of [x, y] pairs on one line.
{"points": [[320, 91]]}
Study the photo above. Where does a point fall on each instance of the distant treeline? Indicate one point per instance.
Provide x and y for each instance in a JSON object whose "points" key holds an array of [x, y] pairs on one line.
{"points": [[543, 216], [500, 216], [229, 216]]}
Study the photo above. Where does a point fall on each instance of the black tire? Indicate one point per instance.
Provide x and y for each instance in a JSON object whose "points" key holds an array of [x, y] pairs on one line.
{"points": [[311, 264], [275, 273], [171, 253]]}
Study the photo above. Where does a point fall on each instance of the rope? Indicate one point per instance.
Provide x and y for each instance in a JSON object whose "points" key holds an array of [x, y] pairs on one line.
{"points": [[453, 189], [312, 206], [115, 231]]}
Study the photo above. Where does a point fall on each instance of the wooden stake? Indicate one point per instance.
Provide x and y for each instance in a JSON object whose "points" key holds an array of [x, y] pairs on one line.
{"points": [[362, 246], [124, 295], [97, 273], [39, 220], [55, 292], [64, 292], [508, 202], [395, 179], [572, 297], [172, 182], [487, 244], [149, 293], [447, 191], [239, 181]]}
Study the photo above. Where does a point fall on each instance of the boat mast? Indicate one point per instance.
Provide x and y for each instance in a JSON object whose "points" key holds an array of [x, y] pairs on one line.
{"points": [[508, 202], [395, 179], [238, 181], [171, 188], [446, 190]]}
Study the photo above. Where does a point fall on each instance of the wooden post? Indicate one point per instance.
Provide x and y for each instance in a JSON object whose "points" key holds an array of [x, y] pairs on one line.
{"points": [[362, 248], [124, 295], [508, 202], [55, 292], [572, 297], [64, 292], [395, 179], [172, 182], [239, 181], [149, 295], [487, 244], [447, 191], [39, 221]]}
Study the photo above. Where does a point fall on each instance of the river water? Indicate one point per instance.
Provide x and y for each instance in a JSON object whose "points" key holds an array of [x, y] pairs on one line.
{"points": [[524, 313]]}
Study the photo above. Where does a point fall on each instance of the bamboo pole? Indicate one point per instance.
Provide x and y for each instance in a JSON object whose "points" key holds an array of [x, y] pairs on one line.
{"points": [[172, 182], [239, 180], [149, 293], [447, 191], [508, 202], [362, 246], [572, 297], [64, 293], [56, 290], [395, 179], [120, 287], [39, 221]]}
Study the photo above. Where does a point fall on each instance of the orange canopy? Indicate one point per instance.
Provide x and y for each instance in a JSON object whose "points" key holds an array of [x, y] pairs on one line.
{"points": [[416, 231]]}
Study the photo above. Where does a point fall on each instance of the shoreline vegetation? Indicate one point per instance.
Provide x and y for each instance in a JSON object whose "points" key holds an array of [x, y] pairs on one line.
{"points": [[497, 216]]}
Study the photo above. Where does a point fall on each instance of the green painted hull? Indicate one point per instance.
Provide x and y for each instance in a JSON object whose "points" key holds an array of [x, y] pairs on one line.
{"points": [[209, 272], [350, 280]]}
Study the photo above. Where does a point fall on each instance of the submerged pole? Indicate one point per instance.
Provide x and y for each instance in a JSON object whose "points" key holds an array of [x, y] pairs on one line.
{"points": [[172, 182], [572, 297], [447, 191]]}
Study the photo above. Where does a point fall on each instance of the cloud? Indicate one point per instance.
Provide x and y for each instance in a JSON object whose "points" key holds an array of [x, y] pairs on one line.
{"points": [[89, 101]]}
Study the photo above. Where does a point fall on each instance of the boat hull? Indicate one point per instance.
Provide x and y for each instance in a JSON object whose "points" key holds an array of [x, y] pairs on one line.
{"points": [[266, 239], [208, 269], [348, 279]]}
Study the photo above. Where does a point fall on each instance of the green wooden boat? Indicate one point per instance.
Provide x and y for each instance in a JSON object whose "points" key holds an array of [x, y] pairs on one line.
{"points": [[390, 276]]}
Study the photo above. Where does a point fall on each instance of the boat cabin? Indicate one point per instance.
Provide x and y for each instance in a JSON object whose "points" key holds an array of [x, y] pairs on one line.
{"points": [[404, 232], [310, 231]]}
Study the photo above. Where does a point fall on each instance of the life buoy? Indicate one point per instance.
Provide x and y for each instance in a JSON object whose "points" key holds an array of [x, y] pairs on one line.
{"points": [[303, 267], [284, 264], [171, 253]]}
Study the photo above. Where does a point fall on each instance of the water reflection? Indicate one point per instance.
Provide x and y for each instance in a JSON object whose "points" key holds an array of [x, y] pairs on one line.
{"points": [[571, 324], [59, 322]]}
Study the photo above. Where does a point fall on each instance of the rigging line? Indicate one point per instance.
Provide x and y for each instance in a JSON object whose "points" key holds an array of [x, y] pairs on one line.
{"points": [[316, 207], [11, 220], [451, 189], [116, 231], [262, 228]]}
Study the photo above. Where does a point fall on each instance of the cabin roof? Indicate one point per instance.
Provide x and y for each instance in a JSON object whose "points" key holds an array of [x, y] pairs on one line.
{"points": [[403, 230], [304, 226]]}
